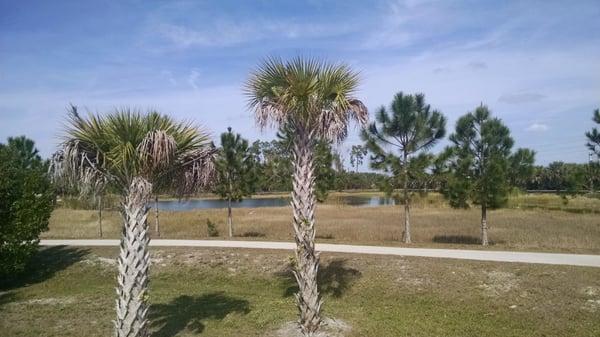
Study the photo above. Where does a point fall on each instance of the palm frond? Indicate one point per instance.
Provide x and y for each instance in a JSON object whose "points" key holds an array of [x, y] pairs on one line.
{"points": [[306, 93], [115, 148]]}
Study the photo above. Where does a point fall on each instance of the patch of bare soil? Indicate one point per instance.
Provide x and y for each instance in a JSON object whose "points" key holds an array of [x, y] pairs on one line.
{"points": [[499, 283], [592, 302], [330, 328]]}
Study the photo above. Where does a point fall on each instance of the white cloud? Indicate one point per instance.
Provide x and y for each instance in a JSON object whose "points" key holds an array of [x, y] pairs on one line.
{"points": [[193, 78], [519, 98], [537, 127]]}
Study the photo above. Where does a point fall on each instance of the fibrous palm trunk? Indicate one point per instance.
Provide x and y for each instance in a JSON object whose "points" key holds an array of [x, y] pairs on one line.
{"points": [[484, 227], [133, 263], [307, 260]]}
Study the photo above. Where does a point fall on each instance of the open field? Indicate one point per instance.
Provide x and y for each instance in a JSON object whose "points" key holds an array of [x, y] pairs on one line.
{"points": [[439, 226], [216, 292]]}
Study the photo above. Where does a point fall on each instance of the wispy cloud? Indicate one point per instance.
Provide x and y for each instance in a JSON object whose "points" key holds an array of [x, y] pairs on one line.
{"points": [[537, 127], [477, 65], [519, 98], [193, 78]]}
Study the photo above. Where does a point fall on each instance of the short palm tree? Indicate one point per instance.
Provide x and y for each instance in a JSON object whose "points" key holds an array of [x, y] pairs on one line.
{"points": [[316, 100], [133, 152]]}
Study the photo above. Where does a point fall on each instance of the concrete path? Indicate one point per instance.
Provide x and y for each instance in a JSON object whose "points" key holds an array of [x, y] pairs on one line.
{"points": [[481, 255]]}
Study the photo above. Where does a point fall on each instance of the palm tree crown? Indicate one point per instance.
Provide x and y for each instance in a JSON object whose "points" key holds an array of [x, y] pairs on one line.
{"points": [[115, 148], [306, 93]]}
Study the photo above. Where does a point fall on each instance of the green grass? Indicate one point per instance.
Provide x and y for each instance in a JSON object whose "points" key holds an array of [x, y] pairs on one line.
{"points": [[202, 292]]}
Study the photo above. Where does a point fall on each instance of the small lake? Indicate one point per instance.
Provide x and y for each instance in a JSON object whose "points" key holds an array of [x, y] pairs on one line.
{"points": [[186, 205]]}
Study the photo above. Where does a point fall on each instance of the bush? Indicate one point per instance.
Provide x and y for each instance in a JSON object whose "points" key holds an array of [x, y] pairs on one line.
{"points": [[211, 228], [26, 201]]}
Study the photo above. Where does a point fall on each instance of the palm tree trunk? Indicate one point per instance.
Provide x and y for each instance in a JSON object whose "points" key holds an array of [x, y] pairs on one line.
{"points": [[133, 263], [407, 238], [229, 217], [307, 260], [100, 216], [157, 224], [484, 228]]}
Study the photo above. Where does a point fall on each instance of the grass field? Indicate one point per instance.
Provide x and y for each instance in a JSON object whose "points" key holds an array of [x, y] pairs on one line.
{"points": [[244, 292], [434, 224]]}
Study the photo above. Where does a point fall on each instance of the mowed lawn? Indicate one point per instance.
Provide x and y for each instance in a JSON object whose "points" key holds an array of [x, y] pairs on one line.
{"points": [[432, 226], [225, 292]]}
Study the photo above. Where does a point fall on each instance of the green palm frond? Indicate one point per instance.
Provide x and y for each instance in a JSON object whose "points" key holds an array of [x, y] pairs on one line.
{"points": [[307, 93], [102, 149]]}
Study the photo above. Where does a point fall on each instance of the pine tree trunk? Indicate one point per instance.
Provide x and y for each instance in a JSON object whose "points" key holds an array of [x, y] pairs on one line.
{"points": [[229, 218], [484, 228], [157, 225], [100, 216], [133, 263], [307, 260], [407, 238]]}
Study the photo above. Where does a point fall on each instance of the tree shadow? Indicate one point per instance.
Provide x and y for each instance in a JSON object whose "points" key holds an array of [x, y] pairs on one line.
{"points": [[253, 234], [44, 264], [333, 279], [461, 239], [189, 312]]}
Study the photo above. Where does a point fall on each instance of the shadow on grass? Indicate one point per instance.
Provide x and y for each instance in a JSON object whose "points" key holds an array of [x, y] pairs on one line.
{"points": [[334, 278], [461, 239], [253, 234], [44, 264], [188, 312]]}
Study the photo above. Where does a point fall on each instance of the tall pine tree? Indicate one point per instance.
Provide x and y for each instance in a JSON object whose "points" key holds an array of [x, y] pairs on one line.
{"points": [[399, 139]]}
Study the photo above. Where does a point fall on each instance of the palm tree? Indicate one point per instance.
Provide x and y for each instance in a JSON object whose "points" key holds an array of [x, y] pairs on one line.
{"points": [[412, 127], [133, 152], [316, 100]]}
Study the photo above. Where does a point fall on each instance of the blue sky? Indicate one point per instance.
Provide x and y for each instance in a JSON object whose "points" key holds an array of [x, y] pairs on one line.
{"points": [[536, 64]]}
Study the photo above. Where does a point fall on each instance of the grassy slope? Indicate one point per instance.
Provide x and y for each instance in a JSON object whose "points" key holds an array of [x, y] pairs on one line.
{"points": [[249, 293]]}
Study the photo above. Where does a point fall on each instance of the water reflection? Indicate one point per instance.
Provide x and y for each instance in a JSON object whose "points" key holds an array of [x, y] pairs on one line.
{"points": [[352, 200]]}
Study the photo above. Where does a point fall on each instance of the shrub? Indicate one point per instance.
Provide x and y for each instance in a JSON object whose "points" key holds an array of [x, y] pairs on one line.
{"points": [[26, 201], [211, 228]]}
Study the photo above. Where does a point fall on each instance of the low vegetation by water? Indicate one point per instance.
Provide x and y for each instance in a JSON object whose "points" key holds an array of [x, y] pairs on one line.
{"points": [[435, 224], [221, 292]]}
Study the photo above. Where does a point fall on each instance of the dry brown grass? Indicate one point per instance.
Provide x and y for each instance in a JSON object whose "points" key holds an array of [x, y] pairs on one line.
{"points": [[516, 229]]}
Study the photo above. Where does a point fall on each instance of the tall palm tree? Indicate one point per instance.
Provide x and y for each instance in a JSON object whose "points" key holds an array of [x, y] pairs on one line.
{"points": [[132, 152], [411, 127], [316, 100]]}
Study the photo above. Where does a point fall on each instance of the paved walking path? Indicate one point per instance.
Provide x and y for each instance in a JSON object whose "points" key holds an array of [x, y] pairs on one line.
{"points": [[481, 255]]}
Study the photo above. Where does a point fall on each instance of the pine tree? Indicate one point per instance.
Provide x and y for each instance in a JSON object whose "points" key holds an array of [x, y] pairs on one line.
{"points": [[480, 163], [236, 171], [409, 128]]}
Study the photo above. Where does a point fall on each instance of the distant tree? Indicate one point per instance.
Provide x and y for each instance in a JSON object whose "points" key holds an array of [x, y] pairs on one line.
{"points": [[357, 153], [26, 201], [593, 136], [399, 139], [236, 171], [25, 149], [480, 162], [521, 167]]}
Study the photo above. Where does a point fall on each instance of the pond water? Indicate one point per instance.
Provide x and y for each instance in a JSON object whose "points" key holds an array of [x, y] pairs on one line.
{"points": [[186, 205]]}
